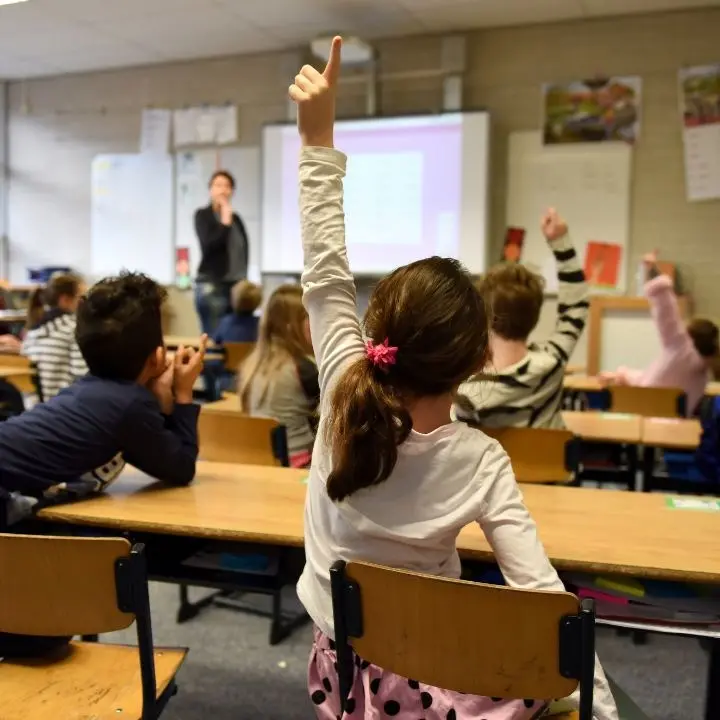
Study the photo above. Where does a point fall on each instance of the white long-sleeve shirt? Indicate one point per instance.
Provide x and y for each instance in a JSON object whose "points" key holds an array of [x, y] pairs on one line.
{"points": [[442, 481]]}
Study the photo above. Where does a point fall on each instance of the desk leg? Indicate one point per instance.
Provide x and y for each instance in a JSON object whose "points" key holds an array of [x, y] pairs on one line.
{"points": [[632, 456], [712, 693], [648, 468]]}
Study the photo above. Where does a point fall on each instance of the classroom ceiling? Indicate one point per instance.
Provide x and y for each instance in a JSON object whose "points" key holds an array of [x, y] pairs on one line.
{"points": [[51, 37]]}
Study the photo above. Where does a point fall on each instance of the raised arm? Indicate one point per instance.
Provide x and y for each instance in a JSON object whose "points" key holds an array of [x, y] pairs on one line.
{"points": [[664, 308], [513, 536], [328, 285], [573, 305]]}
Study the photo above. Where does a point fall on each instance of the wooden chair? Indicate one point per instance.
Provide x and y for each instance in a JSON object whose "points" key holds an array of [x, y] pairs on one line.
{"points": [[539, 455], [230, 437], [58, 586], [235, 353], [472, 638], [647, 401]]}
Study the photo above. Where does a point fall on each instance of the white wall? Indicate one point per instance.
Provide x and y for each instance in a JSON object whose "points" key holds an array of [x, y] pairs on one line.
{"points": [[57, 125]]}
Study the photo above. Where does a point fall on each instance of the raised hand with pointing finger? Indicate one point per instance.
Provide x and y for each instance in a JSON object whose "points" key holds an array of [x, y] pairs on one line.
{"points": [[314, 94]]}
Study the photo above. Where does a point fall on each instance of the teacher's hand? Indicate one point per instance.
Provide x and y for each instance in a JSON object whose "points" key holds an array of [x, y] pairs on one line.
{"points": [[226, 212]]}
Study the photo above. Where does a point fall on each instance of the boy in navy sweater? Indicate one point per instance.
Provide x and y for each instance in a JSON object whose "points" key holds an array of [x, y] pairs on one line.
{"points": [[135, 406]]}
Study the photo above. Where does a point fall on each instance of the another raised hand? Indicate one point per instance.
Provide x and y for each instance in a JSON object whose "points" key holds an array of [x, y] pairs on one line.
{"points": [[314, 94], [553, 226], [188, 365]]}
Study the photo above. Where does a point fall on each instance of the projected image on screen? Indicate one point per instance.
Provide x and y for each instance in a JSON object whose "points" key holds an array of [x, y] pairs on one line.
{"points": [[415, 187]]}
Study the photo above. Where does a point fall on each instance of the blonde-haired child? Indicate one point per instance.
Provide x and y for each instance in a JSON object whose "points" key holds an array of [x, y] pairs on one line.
{"points": [[279, 379]]}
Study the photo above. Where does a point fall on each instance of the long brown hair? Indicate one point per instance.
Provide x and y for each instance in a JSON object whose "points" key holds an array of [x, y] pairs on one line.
{"points": [[281, 338], [59, 285], [432, 313]]}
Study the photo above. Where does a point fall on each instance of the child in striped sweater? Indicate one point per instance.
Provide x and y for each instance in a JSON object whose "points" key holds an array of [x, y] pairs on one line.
{"points": [[50, 339], [522, 386]]}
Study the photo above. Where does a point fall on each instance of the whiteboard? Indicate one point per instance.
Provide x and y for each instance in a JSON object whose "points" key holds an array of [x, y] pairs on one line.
{"points": [[131, 215], [193, 169], [589, 184]]}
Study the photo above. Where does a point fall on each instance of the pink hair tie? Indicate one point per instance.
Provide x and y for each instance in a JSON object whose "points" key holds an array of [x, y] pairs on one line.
{"points": [[382, 355]]}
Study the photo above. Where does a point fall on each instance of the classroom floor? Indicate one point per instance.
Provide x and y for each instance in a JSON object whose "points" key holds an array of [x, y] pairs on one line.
{"points": [[233, 674]]}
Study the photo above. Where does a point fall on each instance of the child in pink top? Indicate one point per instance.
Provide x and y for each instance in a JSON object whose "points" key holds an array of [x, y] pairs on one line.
{"points": [[689, 352]]}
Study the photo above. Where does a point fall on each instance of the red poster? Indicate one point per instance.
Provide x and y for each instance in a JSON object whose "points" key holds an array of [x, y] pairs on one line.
{"points": [[602, 264]]}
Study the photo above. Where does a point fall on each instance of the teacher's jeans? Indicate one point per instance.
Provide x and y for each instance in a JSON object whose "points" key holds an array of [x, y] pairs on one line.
{"points": [[212, 302]]}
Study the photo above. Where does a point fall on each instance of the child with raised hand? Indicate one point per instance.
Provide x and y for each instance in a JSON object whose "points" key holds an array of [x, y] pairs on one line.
{"points": [[50, 339], [690, 353], [522, 386], [393, 480]]}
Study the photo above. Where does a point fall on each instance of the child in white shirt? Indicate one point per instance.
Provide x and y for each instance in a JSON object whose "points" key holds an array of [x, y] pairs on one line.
{"points": [[393, 480]]}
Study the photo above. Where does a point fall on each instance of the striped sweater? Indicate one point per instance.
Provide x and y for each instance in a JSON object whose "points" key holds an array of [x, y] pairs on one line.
{"points": [[51, 346], [529, 393]]}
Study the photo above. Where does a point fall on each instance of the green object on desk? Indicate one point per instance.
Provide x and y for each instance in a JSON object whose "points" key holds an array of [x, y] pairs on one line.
{"points": [[304, 481], [689, 503]]}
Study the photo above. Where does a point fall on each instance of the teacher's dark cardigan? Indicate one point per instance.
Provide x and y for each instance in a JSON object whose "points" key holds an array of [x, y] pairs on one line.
{"points": [[214, 237]]}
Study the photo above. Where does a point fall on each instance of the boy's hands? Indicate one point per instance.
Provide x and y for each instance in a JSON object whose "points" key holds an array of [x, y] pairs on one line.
{"points": [[553, 226], [162, 388], [187, 367], [314, 94]]}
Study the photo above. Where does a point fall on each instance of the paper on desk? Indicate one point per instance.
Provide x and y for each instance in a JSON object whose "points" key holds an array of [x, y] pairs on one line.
{"points": [[690, 503]]}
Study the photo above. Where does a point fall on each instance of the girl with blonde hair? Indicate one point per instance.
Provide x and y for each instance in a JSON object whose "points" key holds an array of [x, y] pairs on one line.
{"points": [[279, 379]]}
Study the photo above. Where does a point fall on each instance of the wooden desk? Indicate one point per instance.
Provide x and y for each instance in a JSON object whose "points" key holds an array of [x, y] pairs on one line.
{"points": [[582, 383], [598, 531], [671, 433], [9, 373], [13, 316], [604, 427], [712, 389], [229, 403], [175, 341], [574, 369]]}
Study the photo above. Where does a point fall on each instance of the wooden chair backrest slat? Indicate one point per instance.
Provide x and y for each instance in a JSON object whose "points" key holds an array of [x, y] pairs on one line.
{"points": [[60, 585], [480, 639], [647, 401], [235, 354], [538, 455], [230, 437]]}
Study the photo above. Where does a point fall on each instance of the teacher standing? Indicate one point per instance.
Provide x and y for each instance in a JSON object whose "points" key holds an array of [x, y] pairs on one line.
{"points": [[224, 249]]}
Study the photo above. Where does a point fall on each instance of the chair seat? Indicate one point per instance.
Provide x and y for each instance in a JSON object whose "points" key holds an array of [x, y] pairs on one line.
{"points": [[82, 681]]}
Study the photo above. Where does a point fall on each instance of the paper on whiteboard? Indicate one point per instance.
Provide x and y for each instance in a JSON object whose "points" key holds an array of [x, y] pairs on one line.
{"points": [[155, 131], [226, 120], [206, 125], [702, 162]]}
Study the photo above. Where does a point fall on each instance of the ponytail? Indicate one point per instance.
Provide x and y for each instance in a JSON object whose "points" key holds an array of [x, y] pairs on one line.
{"points": [[36, 308], [367, 423]]}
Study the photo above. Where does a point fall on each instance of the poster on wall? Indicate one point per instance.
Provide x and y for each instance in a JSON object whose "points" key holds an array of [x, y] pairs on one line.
{"points": [[513, 245], [594, 110], [205, 125], [182, 268], [699, 89], [602, 264]]}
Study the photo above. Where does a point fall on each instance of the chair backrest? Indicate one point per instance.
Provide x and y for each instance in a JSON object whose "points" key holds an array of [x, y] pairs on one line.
{"points": [[235, 353], [539, 455], [468, 637], [648, 401], [60, 585], [228, 436]]}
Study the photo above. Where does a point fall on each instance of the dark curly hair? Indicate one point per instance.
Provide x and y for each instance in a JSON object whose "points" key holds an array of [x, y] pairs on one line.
{"points": [[119, 325]]}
